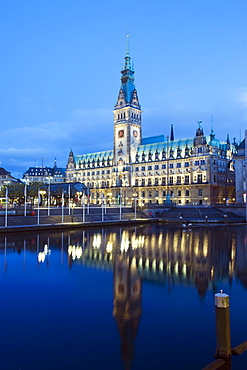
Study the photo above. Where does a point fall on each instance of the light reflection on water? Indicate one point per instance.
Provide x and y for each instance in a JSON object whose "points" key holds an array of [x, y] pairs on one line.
{"points": [[139, 298]]}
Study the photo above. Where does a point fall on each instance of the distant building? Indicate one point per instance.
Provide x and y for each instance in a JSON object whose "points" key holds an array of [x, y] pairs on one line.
{"points": [[240, 171], [46, 175], [6, 178], [195, 170]]}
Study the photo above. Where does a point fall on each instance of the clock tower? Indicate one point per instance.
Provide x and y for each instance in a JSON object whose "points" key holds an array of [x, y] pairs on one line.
{"points": [[127, 124]]}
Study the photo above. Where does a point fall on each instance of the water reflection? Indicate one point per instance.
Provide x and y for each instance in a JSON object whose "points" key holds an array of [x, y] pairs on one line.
{"points": [[202, 258]]}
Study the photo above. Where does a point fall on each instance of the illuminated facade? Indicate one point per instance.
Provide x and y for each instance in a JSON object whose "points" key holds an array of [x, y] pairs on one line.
{"points": [[196, 170]]}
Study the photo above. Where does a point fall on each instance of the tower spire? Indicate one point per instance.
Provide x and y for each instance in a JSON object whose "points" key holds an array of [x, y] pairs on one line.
{"points": [[127, 55], [172, 133]]}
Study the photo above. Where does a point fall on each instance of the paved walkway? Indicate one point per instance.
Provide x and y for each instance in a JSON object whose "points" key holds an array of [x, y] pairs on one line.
{"points": [[181, 216]]}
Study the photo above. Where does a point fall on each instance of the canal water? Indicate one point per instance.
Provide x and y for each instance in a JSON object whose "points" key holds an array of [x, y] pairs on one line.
{"points": [[120, 298]]}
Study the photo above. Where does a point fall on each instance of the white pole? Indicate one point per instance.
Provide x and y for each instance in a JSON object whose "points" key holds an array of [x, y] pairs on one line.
{"points": [[83, 208], [69, 199], [102, 207], [120, 205], [135, 208], [62, 204], [6, 207], [25, 198], [88, 197], [38, 207], [49, 196]]}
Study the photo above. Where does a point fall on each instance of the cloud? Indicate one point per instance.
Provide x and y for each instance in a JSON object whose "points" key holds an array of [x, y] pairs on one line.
{"points": [[87, 131], [242, 96]]}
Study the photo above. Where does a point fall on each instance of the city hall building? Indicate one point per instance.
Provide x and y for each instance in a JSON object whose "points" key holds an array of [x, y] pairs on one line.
{"points": [[196, 170]]}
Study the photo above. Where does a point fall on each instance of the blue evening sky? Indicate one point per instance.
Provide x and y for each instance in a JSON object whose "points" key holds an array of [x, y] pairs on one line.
{"points": [[60, 72]]}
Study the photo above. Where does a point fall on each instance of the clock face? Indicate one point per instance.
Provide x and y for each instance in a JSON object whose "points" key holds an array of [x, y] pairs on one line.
{"points": [[135, 133], [121, 133]]}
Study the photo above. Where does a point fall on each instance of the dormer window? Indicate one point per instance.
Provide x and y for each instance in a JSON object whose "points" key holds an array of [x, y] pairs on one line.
{"points": [[163, 154]]}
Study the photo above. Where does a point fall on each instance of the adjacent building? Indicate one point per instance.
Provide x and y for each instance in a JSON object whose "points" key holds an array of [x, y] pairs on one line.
{"points": [[195, 170], [240, 170], [46, 175], [6, 178]]}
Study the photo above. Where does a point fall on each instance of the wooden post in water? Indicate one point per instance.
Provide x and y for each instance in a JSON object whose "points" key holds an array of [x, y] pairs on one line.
{"points": [[223, 335]]}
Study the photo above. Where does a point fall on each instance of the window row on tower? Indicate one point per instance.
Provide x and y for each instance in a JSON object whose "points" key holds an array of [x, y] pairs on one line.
{"points": [[133, 115]]}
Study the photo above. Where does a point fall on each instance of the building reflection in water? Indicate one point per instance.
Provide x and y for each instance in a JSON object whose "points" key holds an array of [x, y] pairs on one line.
{"points": [[127, 302], [202, 258]]}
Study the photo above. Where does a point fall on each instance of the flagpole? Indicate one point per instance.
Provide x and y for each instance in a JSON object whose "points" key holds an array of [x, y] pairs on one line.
{"points": [[62, 204], [120, 205], [69, 199], [88, 200], [38, 207], [49, 196], [25, 197], [83, 209], [6, 207]]}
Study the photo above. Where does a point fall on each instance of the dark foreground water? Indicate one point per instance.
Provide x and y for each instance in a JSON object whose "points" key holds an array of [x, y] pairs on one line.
{"points": [[135, 298]]}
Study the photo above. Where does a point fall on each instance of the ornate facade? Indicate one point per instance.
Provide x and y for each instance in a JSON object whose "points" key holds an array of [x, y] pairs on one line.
{"points": [[196, 170]]}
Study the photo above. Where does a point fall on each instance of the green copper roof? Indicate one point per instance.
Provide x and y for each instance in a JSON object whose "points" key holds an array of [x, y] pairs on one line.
{"points": [[127, 78]]}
